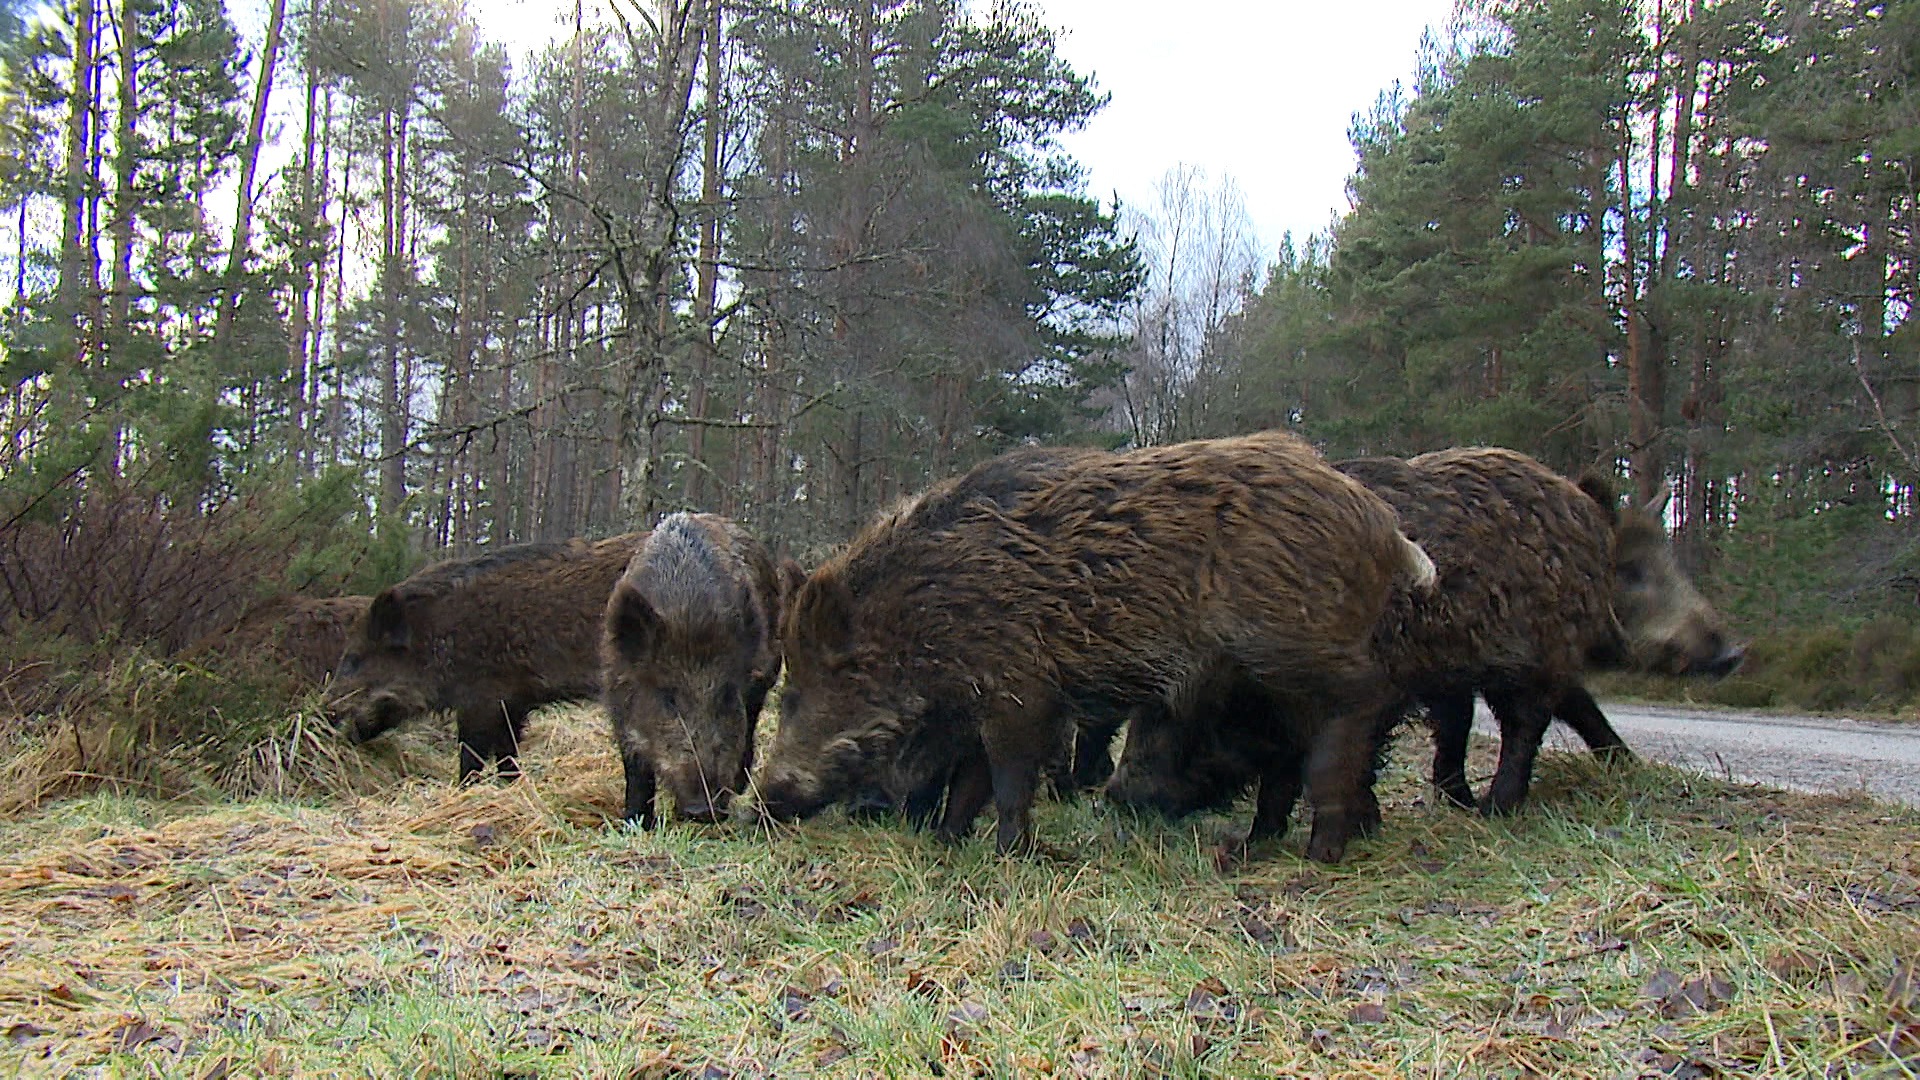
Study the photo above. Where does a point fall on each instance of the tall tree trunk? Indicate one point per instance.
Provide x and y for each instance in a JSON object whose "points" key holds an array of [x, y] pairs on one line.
{"points": [[77, 282], [118, 331], [393, 427], [708, 273], [301, 338], [1643, 455], [250, 159]]}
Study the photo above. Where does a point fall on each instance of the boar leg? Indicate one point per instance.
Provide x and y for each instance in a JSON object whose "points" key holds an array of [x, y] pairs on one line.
{"points": [[490, 733], [1577, 709], [1092, 752], [1524, 715], [967, 793], [512, 721], [474, 728], [1279, 790], [1450, 716], [640, 787], [1014, 785], [1337, 784]]}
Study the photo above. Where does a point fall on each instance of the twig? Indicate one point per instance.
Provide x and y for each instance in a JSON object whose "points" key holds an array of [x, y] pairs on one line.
{"points": [[1860, 370]]}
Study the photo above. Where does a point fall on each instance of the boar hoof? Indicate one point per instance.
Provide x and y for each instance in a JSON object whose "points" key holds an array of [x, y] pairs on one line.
{"points": [[1327, 846]]}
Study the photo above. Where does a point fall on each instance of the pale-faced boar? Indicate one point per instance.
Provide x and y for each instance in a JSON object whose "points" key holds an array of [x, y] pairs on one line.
{"points": [[300, 635], [491, 638], [946, 645], [689, 651]]}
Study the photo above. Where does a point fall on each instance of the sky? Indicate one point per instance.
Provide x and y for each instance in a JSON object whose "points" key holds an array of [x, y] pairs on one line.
{"points": [[1259, 90]]}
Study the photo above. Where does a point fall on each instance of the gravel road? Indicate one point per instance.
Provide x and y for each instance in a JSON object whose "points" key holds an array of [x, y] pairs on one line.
{"points": [[1806, 753]]}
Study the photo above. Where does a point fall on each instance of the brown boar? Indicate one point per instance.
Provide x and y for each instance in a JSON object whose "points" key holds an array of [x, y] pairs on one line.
{"points": [[1535, 578], [689, 651], [491, 638], [946, 644], [300, 635]]}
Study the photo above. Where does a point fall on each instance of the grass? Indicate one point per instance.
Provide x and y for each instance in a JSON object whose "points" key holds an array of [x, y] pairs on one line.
{"points": [[1639, 922], [1866, 669]]}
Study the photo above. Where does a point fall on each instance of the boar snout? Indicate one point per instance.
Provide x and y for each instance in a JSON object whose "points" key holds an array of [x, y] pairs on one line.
{"points": [[787, 797], [1725, 659]]}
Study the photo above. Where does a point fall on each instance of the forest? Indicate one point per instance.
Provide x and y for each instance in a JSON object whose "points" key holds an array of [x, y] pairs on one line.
{"points": [[298, 309]]}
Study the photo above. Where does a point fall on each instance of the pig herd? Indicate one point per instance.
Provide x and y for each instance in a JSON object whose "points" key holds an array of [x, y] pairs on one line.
{"points": [[1254, 616]]}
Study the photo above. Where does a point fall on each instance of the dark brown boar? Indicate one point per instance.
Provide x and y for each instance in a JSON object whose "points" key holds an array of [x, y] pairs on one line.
{"points": [[300, 635], [491, 638], [688, 654], [946, 644], [1532, 577]]}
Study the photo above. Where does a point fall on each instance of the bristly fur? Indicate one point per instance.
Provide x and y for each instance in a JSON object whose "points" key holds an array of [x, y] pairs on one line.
{"points": [[1126, 578], [1527, 593], [491, 638], [689, 652]]}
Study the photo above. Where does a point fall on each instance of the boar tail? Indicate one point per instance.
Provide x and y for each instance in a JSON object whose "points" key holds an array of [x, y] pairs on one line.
{"points": [[1419, 567]]}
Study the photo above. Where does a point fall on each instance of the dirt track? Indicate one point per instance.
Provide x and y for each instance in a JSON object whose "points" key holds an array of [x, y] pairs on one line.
{"points": [[1807, 753]]}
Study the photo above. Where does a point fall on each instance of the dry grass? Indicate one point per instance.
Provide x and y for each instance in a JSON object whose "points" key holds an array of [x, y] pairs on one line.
{"points": [[1641, 923]]}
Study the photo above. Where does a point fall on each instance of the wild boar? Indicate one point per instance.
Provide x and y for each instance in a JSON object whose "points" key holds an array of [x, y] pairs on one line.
{"points": [[945, 645], [689, 651], [300, 635], [1536, 577], [491, 638]]}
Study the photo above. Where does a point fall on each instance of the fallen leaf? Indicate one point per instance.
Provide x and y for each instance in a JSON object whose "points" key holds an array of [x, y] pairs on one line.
{"points": [[1794, 965], [1320, 1039], [218, 1070], [966, 1016], [23, 1032], [1198, 1044], [1042, 940], [1368, 1012], [380, 847], [482, 834], [1903, 990], [1146, 1003], [1079, 929], [119, 894], [137, 1033], [881, 946], [1662, 985], [831, 1054]]}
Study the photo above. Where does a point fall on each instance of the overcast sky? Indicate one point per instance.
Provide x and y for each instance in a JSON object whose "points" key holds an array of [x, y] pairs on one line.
{"points": [[1261, 90]]}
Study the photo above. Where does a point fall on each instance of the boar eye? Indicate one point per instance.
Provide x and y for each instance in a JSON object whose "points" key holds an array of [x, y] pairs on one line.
{"points": [[350, 664], [669, 700], [1632, 576]]}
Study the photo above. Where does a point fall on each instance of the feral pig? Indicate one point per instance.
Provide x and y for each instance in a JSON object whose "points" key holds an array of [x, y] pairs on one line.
{"points": [[944, 646], [301, 635], [689, 651], [1535, 577], [491, 638]]}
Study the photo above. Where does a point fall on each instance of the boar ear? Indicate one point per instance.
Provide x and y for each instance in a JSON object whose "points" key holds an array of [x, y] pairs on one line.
{"points": [[1657, 506], [823, 613], [792, 576], [1599, 488], [632, 624], [387, 622]]}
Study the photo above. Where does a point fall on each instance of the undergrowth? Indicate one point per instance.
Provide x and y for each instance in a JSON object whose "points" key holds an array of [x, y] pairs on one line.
{"points": [[1870, 667], [1639, 922], [228, 726]]}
